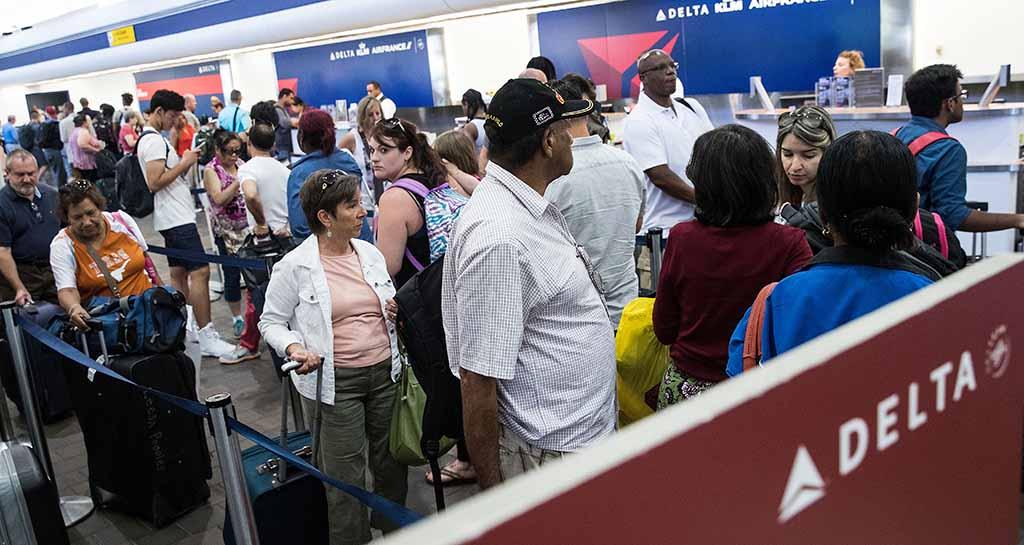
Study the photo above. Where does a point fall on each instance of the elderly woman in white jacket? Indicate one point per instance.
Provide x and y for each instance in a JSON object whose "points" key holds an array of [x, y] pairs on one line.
{"points": [[329, 301]]}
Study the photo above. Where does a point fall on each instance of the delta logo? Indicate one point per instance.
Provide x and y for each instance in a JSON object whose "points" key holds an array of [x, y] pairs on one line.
{"points": [[951, 382], [611, 60]]}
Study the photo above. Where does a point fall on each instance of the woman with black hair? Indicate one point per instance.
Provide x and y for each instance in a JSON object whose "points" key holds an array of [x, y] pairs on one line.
{"points": [[715, 265], [473, 107], [401, 155], [545, 65], [227, 215], [867, 193]]}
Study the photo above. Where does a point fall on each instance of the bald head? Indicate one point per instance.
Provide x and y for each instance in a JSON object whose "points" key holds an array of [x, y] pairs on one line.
{"points": [[190, 102], [657, 72], [533, 73]]}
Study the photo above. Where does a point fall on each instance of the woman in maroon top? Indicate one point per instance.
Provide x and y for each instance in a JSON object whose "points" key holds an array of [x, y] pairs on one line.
{"points": [[715, 265]]}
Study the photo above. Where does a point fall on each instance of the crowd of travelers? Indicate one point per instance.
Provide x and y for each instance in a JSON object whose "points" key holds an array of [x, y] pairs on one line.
{"points": [[535, 217]]}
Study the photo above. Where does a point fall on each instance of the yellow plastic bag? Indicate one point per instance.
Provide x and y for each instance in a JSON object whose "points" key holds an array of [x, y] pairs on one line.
{"points": [[641, 359]]}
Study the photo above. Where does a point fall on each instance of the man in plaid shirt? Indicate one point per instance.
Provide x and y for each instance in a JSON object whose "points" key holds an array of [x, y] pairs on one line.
{"points": [[527, 328]]}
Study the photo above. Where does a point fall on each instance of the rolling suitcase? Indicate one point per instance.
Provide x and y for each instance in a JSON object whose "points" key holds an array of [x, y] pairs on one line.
{"points": [[54, 400], [977, 255], [290, 507], [145, 457], [29, 505], [655, 242]]}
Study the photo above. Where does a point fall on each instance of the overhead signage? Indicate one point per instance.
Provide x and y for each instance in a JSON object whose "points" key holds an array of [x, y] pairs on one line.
{"points": [[202, 80], [121, 36], [718, 45], [326, 73], [901, 427]]}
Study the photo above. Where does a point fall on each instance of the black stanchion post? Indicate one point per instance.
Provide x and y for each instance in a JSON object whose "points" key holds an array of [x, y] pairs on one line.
{"points": [[654, 235], [73, 508], [243, 521]]}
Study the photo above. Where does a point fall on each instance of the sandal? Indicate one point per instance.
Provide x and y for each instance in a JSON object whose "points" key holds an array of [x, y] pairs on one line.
{"points": [[451, 477]]}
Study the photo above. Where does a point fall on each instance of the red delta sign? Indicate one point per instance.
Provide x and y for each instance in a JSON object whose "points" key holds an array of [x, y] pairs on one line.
{"points": [[902, 427]]}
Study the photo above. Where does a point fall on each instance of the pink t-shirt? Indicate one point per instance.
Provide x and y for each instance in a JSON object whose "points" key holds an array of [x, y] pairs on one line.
{"points": [[360, 333], [126, 129]]}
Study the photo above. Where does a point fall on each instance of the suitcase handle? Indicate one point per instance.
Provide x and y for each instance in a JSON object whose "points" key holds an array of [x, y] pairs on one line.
{"points": [[286, 369]]}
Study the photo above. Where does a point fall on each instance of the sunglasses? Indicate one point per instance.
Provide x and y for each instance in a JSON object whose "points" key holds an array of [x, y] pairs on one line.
{"points": [[811, 120], [663, 67], [77, 185], [395, 123], [232, 151], [329, 179]]}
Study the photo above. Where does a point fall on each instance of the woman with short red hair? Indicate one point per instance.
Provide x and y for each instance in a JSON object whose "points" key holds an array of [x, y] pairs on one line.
{"points": [[317, 141]]}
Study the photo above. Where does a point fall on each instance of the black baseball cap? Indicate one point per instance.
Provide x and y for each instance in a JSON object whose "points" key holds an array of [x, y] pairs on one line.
{"points": [[524, 106]]}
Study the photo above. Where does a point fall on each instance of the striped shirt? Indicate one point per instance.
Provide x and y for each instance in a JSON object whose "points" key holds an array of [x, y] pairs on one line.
{"points": [[521, 305]]}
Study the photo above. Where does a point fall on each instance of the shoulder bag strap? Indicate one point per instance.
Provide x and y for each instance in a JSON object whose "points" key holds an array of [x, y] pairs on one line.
{"points": [[234, 121], [755, 328], [103, 269], [940, 227]]}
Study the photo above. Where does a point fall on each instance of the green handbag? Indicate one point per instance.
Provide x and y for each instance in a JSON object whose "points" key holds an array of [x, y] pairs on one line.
{"points": [[407, 421]]}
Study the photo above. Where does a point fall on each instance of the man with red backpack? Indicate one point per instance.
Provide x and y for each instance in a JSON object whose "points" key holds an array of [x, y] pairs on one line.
{"points": [[936, 101]]}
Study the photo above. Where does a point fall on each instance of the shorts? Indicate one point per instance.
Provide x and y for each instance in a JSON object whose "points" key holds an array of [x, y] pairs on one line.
{"points": [[184, 237]]}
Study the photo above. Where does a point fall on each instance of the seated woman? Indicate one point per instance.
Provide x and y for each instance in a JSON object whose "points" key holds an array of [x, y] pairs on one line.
{"points": [[715, 265], [98, 253], [867, 192], [400, 153], [334, 275]]}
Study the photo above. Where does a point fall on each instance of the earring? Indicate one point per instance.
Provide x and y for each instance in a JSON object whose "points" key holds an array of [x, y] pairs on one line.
{"points": [[329, 233], [827, 231]]}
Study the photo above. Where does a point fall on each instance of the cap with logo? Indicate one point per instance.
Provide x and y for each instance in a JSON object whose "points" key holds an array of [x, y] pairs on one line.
{"points": [[524, 106]]}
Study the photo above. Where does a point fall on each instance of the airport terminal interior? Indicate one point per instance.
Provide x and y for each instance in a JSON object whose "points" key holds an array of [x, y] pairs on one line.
{"points": [[493, 271]]}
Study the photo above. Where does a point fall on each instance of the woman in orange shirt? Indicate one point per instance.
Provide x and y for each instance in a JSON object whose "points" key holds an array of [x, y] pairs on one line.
{"points": [[98, 253]]}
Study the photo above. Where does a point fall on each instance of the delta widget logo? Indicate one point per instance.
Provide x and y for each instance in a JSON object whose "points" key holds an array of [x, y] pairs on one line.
{"points": [[997, 357], [611, 60]]}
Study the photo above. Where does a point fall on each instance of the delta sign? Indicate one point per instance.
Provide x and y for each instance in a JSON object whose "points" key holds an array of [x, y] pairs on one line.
{"points": [[901, 427], [718, 45]]}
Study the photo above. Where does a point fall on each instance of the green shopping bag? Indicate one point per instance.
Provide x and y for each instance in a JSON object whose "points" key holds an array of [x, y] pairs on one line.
{"points": [[407, 421]]}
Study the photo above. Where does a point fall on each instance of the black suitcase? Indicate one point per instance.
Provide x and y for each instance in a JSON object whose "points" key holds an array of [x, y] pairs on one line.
{"points": [[298, 498], [47, 375], [145, 457], [29, 504], [270, 249]]}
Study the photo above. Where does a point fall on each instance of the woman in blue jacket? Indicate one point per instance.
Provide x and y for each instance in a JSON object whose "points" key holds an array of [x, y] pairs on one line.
{"points": [[867, 194]]}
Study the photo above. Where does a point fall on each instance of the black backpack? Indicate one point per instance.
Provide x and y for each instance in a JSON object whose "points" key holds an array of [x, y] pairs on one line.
{"points": [[421, 329], [204, 144], [49, 135], [132, 190], [27, 137]]}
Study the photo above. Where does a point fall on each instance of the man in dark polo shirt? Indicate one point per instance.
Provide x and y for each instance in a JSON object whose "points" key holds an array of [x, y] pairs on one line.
{"points": [[27, 225]]}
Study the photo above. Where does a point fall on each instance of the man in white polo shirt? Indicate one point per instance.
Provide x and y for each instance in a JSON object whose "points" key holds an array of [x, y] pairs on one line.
{"points": [[659, 134], [174, 213]]}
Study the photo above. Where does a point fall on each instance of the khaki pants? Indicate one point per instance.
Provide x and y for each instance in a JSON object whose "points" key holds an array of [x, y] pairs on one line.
{"points": [[355, 429], [517, 456]]}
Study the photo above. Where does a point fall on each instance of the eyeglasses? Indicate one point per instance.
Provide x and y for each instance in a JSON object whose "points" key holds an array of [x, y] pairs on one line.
{"points": [[76, 185], [235, 152], [962, 96], [35, 210], [663, 67], [810, 119]]}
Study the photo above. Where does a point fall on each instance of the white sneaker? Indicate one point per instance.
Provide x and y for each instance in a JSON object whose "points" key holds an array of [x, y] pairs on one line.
{"points": [[210, 343]]}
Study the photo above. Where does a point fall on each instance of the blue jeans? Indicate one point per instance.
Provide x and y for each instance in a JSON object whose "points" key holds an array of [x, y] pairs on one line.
{"points": [[55, 164], [232, 276], [366, 233], [67, 162]]}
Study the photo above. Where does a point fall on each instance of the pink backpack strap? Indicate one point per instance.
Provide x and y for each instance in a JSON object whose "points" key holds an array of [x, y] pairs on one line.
{"points": [[943, 241], [415, 188], [921, 142], [918, 229]]}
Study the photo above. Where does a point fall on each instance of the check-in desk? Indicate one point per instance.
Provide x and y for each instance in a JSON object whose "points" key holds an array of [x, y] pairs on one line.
{"points": [[992, 137]]}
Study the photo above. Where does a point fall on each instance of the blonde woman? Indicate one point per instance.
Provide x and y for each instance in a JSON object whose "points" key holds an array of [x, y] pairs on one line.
{"points": [[847, 63]]}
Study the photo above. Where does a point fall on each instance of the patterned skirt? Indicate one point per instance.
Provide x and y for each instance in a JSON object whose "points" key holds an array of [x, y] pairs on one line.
{"points": [[678, 386]]}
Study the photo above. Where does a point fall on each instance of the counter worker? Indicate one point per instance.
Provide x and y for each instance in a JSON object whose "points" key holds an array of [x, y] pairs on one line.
{"points": [[659, 134], [936, 101]]}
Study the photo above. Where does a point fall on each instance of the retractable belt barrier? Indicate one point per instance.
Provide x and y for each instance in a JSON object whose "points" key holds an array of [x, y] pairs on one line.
{"points": [[202, 257], [397, 514]]}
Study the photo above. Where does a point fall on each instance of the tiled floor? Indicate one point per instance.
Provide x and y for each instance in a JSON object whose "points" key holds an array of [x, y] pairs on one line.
{"points": [[255, 391]]}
